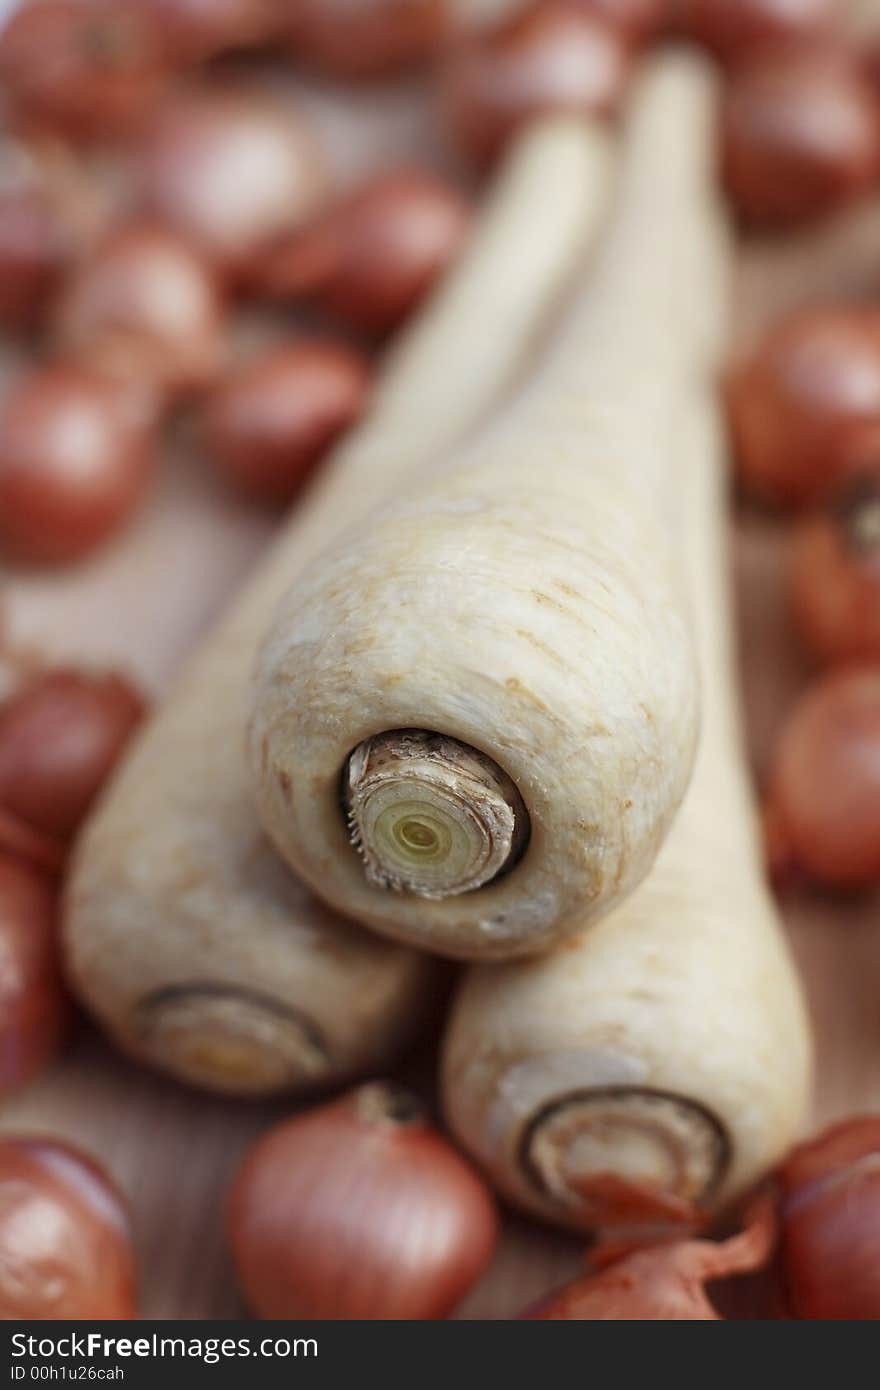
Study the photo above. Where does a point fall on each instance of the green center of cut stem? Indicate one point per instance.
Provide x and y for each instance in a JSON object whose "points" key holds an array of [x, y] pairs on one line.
{"points": [[421, 837]]}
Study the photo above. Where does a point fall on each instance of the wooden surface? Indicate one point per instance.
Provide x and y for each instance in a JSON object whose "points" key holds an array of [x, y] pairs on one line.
{"points": [[144, 602]]}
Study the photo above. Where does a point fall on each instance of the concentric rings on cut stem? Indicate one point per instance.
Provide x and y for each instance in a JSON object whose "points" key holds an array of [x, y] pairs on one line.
{"points": [[430, 815]]}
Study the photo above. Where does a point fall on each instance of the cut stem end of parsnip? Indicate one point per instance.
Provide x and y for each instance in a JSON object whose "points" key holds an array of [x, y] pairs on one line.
{"points": [[657, 1143], [229, 1040], [430, 815]]}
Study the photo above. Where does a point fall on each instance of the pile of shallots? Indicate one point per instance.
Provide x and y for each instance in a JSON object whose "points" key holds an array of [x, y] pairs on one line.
{"points": [[177, 261]]}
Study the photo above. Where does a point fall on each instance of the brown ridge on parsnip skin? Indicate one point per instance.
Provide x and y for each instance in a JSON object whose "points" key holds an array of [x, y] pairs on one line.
{"points": [[185, 934], [676, 1024], [527, 603]]}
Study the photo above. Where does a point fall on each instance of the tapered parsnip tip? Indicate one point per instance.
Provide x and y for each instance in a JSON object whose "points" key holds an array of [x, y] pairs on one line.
{"points": [[665, 1144], [430, 815], [230, 1040]]}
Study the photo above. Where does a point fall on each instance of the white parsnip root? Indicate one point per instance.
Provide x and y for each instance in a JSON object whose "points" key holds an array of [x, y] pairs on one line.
{"points": [[525, 607], [184, 934], [668, 1047]]}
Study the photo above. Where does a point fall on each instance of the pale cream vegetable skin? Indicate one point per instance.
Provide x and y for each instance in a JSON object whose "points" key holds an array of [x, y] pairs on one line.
{"points": [[667, 1046], [495, 673], [184, 934]]}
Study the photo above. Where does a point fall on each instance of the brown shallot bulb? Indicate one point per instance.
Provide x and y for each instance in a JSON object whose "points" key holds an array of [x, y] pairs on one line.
{"points": [[372, 257], [34, 251], [65, 1240], [735, 29], [75, 459], [553, 56], [800, 134], [20, 841], [870, 56], [359, 1210], [144, 305], [831, 1224], [637, 20], [796, 402], [835, 575], [270, 421], [33, 1008], [35, 246], [195, 30], [665, 1282], [48, 214], [823, 797], [82, 67], [230, 171], [366, 38], [60, 737], [480, 16]]}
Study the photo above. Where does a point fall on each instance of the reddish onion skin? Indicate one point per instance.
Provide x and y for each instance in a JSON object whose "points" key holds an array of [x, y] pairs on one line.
{"points": [[799, 134], [736, 29], [60, 738], [34, 252], [824, 789], [831, 1152], [359, 1210], [75, 459], [195, 30], [269, 422], [835, 576], [49, 213], [230, 170], [374, 256], [65, 1242], [29, 846], [831, 1224], [367, 38], [82, 67], [779, 863], [625, 1212], [871, 63], [33, 1008], [664, 1283], [553, 56], [795, 404], [637, 20], [144, 305]]}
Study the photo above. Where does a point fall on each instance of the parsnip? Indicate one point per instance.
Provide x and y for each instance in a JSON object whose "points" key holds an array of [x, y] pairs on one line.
{"points": [[186, 937], [667, 1046], [495, 674]]}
